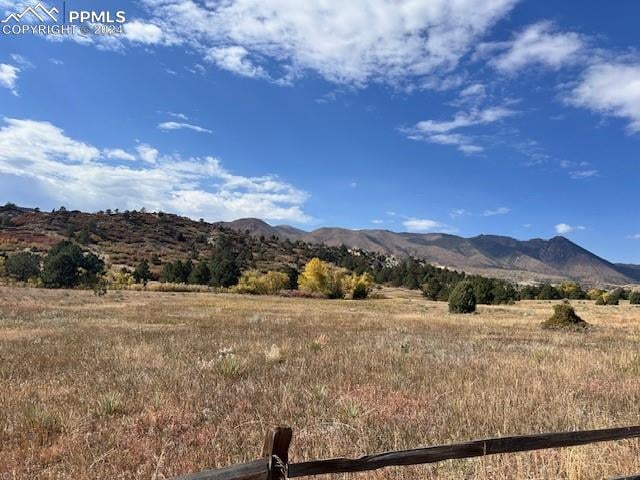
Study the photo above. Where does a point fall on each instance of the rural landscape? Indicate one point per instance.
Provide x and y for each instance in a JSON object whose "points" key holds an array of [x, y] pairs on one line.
{"points": [[282, 239], [128, 372]]}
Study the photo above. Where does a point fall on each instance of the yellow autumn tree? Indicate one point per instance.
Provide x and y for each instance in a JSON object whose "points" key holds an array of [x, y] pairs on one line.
{"points": [[258, 283], [315, 277], [334, 282]]}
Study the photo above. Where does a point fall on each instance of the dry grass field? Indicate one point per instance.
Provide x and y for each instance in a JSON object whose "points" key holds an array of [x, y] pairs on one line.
{"points": [[146, 385]]}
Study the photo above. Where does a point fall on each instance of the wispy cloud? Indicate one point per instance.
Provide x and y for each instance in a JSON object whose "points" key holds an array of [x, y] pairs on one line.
{"points": [[538, 44], [445, 132], [582, 174], [182, 126], [426, 225], [497, 211], [564, 228], [635, 236], [458, 212]]}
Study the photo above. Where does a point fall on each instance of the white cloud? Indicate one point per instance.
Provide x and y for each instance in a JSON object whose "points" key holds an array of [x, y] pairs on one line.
{"points": [[141, 32], [563, 228], [474, 90], [458, 212], [582, 174], [611, 89], [235, 59], [444, 132], [119, 154], [425, 225], [80, 176], [538, 44], [181, 126], [181, 116], [377, 221], [22, 62], [9, 77], [147, 154], [635, 236], [497, 211], [353, 42]]}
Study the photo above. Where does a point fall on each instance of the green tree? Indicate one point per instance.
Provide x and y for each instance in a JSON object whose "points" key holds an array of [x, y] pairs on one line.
{"points": [[22, 266], [548, 292], [67, 265], [201, 274], [432, 289], [462, 299], [634, 298], [142, 274]]}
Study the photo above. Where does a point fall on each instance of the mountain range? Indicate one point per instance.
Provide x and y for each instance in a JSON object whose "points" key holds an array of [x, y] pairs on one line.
{"points": [[535, 260]]}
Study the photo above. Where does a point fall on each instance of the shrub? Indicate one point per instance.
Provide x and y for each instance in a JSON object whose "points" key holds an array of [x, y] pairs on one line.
{"points": [[564, 316], [634, 298], [257, 283], [608, 299], [122, 280], [462, 299], [360, 286], [22, 266]]}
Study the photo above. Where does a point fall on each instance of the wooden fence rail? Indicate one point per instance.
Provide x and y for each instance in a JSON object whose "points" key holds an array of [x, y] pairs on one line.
{"points": [[275, 462]]}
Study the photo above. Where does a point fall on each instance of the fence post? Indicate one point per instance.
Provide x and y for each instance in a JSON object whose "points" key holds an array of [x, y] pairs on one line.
{"points": [[276, 448]]}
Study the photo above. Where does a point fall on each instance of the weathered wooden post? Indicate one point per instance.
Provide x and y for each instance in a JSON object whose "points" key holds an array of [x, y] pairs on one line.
{"points": [[276, 448]]}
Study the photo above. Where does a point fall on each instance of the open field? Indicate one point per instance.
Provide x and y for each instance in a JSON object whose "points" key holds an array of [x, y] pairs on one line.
{"points": [[148, 385]]}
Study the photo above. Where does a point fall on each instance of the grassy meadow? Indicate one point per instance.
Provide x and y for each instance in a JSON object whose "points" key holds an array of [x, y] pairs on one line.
{"points": [[146, 385]]}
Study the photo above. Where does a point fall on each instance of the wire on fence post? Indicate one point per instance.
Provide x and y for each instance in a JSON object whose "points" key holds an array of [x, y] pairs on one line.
{"points": [[276, 448]]}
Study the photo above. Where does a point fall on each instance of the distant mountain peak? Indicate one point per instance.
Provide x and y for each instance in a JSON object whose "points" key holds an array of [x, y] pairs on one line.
{"points": [[554, 260]]}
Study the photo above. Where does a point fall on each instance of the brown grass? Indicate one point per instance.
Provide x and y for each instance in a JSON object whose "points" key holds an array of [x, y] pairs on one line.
{"points": [[148, 385]]}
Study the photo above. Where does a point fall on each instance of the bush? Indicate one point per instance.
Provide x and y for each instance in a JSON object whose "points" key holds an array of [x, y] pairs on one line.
{"points": [[22, 266], [608, 299], [564, 316], [257, 283], [634, 298], [462, 299], [360, 286]]}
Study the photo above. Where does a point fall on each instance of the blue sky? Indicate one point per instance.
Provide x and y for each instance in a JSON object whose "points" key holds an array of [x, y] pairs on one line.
{"points": [[508, 117]]}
